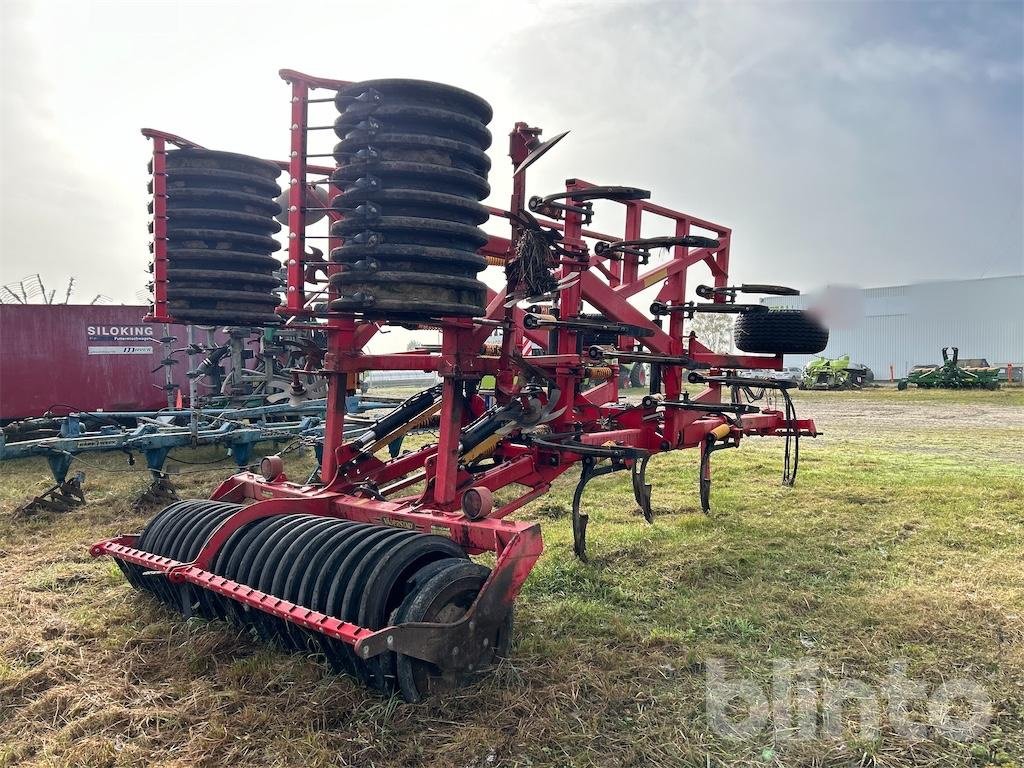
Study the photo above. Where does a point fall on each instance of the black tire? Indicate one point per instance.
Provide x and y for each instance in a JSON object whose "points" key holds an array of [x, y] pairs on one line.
{"points": [[780, 332], [443, 599]]}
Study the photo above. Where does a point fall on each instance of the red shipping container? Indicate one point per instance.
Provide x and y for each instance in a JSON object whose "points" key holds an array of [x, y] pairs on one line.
{"points": [[88, 357]]}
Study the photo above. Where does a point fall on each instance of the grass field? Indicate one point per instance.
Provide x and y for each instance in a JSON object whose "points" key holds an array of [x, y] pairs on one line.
{"points": [[902, 543]]}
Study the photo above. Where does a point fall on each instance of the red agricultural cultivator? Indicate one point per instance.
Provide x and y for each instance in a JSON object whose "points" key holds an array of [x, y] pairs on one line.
{"points": [[371, 565]]}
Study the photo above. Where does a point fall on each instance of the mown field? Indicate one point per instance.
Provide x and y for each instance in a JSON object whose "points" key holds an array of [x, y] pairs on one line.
{"points": [[901, 544]]}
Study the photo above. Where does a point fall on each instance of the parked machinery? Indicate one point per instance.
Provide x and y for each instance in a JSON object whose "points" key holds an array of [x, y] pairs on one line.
{"points": [[371, 566], [950, 375], [243, 389], [828, 373]]}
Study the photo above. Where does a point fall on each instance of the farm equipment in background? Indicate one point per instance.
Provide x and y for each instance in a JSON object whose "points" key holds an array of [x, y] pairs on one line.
{"points": [[154, 434], [245, 386], [951, 375], [835, 374], [369, 564]]}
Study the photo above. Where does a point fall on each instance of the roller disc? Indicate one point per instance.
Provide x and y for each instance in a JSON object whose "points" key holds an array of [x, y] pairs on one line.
{"points": [[229, 560], [249, 562], [318, 567], [303, 562], [444, 599], [238, 279], [211, 200], [367, 207], [378, 175], [274, 568], [349, 570], [410, 147], [192, 237], [403, 118], [207, 179], [410, 259], [194, 158], [388, 581], [259, 561], [368, 581], [411, 91], [228, 260]]}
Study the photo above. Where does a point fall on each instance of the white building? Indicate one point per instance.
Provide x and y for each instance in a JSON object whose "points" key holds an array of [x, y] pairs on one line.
{"points": [[907, 325]]}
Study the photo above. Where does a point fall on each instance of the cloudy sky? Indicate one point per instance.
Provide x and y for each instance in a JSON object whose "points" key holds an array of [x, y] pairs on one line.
{"points": [[852, 142]]}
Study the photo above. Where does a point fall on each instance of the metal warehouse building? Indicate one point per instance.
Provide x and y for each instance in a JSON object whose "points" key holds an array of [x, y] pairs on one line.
{"points": [[907, 325]]}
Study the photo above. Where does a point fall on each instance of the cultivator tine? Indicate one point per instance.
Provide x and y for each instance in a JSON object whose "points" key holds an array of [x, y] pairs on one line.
{"points": [[641, 489], [705, 475], [160, 491], [579, 518], [60, 497], [590, 470]]}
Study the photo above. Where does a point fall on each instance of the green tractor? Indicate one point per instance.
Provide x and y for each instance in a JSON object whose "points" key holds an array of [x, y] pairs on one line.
{"points": [[823, 373], [950, 375]]}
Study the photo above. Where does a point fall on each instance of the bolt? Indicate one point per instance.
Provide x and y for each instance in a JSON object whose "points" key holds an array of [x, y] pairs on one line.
{"points": [[295, 126], [455, 651], [294, 153], [292, 235], [293, 208], [485, 642], [292, 261], [472, 625], [291, 289], [293, 181], [366, 651], [391, 641]]}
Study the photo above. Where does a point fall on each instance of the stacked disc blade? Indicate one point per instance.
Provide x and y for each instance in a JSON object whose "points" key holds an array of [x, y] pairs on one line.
{"points": [[412, 170], [220, 222]]}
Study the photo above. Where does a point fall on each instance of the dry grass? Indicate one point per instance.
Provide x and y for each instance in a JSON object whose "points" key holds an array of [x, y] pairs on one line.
{"points": [[904, 538]]}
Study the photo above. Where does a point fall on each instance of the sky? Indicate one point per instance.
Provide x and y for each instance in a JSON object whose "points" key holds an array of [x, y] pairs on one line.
{"points": [[860, 143]]}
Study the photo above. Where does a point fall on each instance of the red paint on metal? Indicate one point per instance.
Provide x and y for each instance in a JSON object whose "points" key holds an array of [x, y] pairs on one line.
{"points": [[45, 359], [356, 486]]}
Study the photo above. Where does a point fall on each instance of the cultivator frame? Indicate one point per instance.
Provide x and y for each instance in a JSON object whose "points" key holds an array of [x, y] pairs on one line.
{"points": [[553, 410]]}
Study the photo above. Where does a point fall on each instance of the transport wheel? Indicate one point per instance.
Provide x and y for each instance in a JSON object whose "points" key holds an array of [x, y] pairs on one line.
{"points": [[780, 332], [444, 599]]}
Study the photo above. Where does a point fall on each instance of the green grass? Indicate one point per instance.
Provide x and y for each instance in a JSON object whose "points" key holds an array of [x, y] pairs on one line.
{"points": [[903, 539]]}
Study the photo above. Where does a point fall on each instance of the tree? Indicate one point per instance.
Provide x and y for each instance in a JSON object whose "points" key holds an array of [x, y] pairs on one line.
{"points": [[714, 332]]}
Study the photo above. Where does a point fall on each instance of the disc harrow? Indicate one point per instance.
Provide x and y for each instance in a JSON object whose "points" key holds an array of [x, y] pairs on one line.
{"points": [[371, 565]]}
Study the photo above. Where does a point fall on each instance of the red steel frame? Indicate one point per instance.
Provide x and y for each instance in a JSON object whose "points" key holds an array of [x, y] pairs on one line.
{"points": [[604, 284]]}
